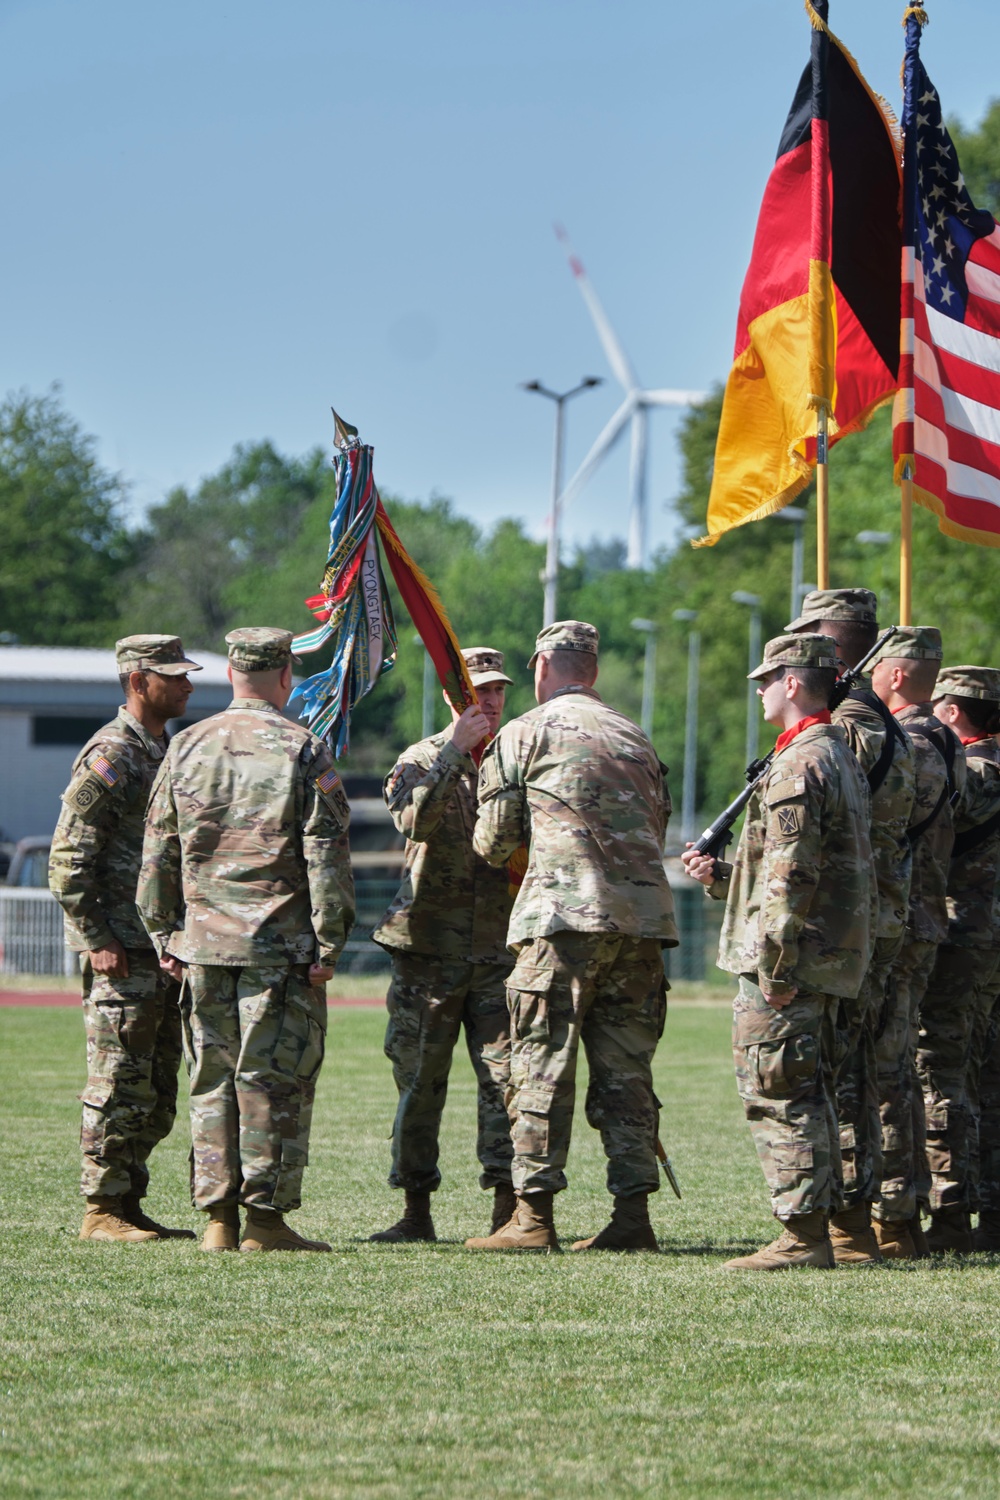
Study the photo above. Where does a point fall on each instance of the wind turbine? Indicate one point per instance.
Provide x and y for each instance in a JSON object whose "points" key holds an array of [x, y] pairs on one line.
{"points": [[634, 409]]}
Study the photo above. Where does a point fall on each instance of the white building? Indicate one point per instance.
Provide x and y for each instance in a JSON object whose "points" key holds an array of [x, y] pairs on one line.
{"points": [[52, 699]]}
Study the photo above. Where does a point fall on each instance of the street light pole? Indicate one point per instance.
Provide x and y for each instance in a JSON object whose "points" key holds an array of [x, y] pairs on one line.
{"points": [[690, 728], [752, 601], [550, 577], [427, 706], [797, 517], [648, 627]]}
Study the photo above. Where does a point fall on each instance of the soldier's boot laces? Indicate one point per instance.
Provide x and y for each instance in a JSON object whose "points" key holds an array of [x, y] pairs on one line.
{"points": [[629, 1229], [223, 1229], [504, 1206], [805, 1242], [416, 1223], [531, 1227], [895, 1239], [987, 1235], [132, 1211], [265, 1229], [951, 1229], [105, 1220], [919, 1237], [852, 1237]]}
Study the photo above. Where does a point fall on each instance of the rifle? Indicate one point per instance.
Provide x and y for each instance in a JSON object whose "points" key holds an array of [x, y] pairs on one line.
{"points": [[718, 834]]}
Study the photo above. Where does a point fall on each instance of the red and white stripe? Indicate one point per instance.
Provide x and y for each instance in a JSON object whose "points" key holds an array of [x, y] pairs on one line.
{"points": [[948, 409]]}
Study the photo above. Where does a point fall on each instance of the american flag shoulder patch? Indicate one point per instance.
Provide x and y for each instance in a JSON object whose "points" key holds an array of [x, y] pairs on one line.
{"points": [[103, 768], [328, 780]]}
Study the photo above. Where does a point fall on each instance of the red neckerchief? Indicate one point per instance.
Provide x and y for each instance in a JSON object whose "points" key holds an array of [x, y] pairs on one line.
{"points": [[789, 734], [974, 739]]}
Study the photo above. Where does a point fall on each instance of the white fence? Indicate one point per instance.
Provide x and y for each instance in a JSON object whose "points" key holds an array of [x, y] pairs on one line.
{"points": [[31, 933]]}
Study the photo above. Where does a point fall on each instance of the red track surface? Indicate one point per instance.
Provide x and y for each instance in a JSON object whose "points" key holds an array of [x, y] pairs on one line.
{"points": [[67, 998]]}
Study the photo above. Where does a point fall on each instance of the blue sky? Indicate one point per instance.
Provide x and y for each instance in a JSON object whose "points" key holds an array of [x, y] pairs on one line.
{"points": [[222, 218]]}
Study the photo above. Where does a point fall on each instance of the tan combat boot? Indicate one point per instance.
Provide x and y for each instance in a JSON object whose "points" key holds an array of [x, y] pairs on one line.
{"points": [[531, 1228], [504, 1206], [894, 1239], [805, 1242], [629, 1229], [132, 1210], [852, 1237], [987, 1235], [223, 1229], [951, 1229], [266, 1230], [416, 1223], [104, 1220]]}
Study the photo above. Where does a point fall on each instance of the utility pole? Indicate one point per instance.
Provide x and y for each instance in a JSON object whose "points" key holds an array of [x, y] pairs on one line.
{"points": [[550, 577], [690, 728], [752, 601]]}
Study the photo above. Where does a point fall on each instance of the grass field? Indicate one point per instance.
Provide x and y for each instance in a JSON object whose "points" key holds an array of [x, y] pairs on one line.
{"points": [[155, 1371]]}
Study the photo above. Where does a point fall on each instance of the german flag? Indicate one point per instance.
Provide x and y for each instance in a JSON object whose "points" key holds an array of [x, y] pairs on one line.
{"points": [[818, 324]]}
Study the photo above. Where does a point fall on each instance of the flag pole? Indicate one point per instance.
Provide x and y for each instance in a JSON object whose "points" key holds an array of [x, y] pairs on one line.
{"points": [[906, 548], [822, 501]]}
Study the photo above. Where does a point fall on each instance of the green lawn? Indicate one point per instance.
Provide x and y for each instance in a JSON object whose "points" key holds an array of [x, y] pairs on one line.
{"points": [[155, 1371]]}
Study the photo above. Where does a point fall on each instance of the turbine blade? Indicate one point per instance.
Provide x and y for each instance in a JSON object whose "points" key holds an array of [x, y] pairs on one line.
{"points": [[672, 398], [636, 557], [604, 443], [619, 361]]}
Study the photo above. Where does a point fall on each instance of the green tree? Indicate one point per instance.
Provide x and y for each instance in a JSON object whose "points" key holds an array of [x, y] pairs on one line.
{"points": [[64, 537]]}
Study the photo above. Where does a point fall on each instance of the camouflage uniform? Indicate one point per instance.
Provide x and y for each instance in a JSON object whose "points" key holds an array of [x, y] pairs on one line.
{"points": [[960, 992], [800, 911], [581, 785], [447, 933], [246, 880], [132, 1024], [861, 718]]}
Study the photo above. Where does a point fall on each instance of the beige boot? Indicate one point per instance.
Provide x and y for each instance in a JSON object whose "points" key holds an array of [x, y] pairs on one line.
{"points": [[894, 1239], [416, 1223], [223, 1229], [104, 1220], [531, 1228], [805, 1242], [132, 1211], [504, 1206], [629, 1229], [852, 1237], [951, 1229], [987, 1235], [266, 1230]]}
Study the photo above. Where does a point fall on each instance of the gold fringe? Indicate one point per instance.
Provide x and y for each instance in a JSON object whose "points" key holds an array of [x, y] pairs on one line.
{"points": [[918, 14]]}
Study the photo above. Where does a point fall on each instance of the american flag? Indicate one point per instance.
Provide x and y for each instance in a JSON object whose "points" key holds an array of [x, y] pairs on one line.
{"points": [[103, 768], [947, 419]]}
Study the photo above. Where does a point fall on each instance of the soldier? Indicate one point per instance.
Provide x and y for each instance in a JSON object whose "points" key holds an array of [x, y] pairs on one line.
{"points": [[885, 754], [797, 931], [581, 786], [447, 933], [961, 988], [903, 677], [246, 891], [130, 1009]]}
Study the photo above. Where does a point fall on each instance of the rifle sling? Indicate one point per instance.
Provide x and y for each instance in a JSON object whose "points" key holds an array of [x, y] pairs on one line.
{"points": [[973, 837], [893, 732], [947, 753]]}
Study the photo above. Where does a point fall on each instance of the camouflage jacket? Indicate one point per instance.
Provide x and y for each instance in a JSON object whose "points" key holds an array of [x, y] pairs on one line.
{"points": [[451, 903], [973, 916], [801, 901], [892, 809], [246, 857], [580, 784], [927, 921], [97, 845]]}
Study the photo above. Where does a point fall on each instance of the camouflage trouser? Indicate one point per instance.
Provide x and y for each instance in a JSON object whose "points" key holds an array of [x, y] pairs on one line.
{"points": [[984, 1028], [960, 980], [856, 1077], [989, 1115], [133, 1029], [609, 991], [784, 1072], [429, 1002], [253, 1041], [905, 1174]]}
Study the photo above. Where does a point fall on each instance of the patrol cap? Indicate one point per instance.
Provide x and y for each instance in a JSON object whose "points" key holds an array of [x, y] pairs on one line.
{"points": [[858, 605], [969, 682], [153, 653], [485, 666], [566, 635], [917, 642], [797, 651], [259, 648]]}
